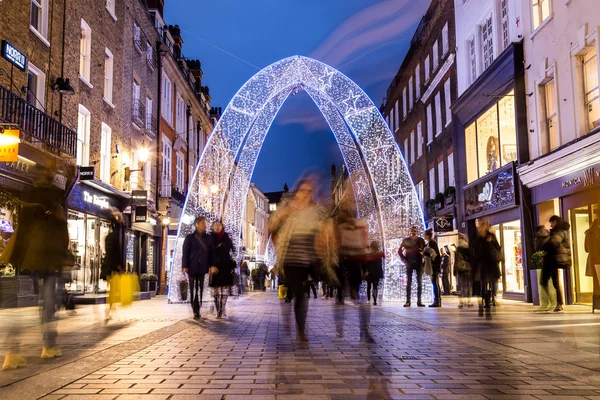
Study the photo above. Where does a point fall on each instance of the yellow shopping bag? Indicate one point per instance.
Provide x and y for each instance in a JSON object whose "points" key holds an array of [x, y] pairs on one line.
{"points": [[282, 292], [114, 288], [129, 285]]}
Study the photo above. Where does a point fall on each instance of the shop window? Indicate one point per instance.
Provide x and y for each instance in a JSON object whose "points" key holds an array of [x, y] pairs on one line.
{"points": [[417, 82], [436, 54], [429, 125], [491, 140], [38, 21], [419, 140], [448, 101], [427, 69], [504, 23], [487, 42], [592, 94], [431, 183], [509, 238], [105, 153], [410, 93], [83, 136], [404, 105], [108, 75], [581, 220], [85, 51], [445, 43], [36, 85], [541, 12]]}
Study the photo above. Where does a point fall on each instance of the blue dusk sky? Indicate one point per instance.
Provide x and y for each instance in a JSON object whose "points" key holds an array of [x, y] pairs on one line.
{"points": [[365, 39]]}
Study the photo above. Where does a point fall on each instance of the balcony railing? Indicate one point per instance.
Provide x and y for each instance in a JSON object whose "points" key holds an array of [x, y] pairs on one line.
{"points": [[150, 122], [139, 113], [36, 125], [177, 194]]}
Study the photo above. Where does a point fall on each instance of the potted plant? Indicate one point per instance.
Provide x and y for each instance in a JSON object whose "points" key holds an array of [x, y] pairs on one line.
{"points": [[430, 207], [144, 282], [450, 195], [152, 283], [439, 201]]}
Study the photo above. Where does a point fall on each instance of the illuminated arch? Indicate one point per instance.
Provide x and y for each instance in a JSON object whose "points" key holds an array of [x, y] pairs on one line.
{"points": [[384, 193]]}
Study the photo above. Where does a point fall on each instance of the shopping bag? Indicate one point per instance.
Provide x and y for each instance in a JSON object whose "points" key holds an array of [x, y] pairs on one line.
{"points": [[129, 285], [114, 288], [282, 292], [183, 289]]}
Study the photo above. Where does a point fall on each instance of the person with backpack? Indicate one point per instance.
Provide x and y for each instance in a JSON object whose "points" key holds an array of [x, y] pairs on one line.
{"points": [[462, 271]]}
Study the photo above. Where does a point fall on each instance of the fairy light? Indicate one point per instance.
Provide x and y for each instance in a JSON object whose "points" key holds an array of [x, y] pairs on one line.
{"points": [[384, 193]]}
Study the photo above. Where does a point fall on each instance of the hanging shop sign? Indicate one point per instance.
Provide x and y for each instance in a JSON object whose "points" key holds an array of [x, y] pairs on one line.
{"points": [[139, 197], [86, 173], [14, 56], [494, 192], [141, 214], [9, 145], [443, 224]]}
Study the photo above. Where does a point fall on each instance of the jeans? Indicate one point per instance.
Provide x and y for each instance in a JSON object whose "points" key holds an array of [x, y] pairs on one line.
{"points": [[49, 303], [435, 283], [297, 277], [446, 281], [548, 274], [466, 286], [409, 275], [374, 284], [196, 285]]}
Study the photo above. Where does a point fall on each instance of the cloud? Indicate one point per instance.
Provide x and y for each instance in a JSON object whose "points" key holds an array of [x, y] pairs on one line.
{"points": [[309, 117]]}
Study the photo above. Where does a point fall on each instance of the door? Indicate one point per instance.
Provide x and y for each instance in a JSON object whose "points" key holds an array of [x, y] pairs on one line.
{"points": [[580, 219]]}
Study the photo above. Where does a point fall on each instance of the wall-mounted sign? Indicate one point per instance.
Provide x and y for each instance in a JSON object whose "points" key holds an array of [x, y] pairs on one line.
{"points": [[14, 56], [443, 224], [141, 214], [139, 197], [86, 173], [588, 179], [492, 193], [9, 145], [100, 201]]}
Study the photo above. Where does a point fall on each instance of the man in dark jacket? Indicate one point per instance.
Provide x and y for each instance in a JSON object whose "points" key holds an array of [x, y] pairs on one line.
{"points": [[411, 253], [197, 258], [558, 256]]}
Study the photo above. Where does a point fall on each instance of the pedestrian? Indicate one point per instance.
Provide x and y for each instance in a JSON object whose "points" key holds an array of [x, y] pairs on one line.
{"points": [[547, 295], [221, 281], [197, 259], [558, 256], [244, 275], [431, 255], [487, 254], [445, 265], [592, 247], [112, 263], [303, 239], [311, 286], [374, 274], [463, 272], [411, 253], [354, 248]]}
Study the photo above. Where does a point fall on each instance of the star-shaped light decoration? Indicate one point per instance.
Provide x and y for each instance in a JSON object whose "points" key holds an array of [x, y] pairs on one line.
{"points": [[362, 186], [327, 79], [351, 101]]}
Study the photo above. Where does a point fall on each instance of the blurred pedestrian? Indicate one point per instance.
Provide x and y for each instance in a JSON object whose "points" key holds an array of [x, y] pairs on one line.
{"points": [[222, 279], [112, 263], [558, 256], [547, 295], [374, 274], [487, 254], [411, 253], [198, 257], [354, 248], [431, 255], [445, 265], [463, 272]]}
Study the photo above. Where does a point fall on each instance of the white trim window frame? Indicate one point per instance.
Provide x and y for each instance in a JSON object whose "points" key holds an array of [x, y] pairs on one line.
{"points": [[429, 125], [167, 154], [108, 75], [548, 114], [111, 7], [427, 69], [448, 100], [83, 136], [404, 104], [410, 93], [180, 116], [36, 94], [85, 52], [438, 114], [149, 115], [589, 63], [38, 20], [413, 157], [148, 176], [406, 154], [396, 119], [137, 37], [451, 177], [105, 153], [504, 24], [179, 172], [167, 99], [440, 173], [150, 55], [472, 59], [486, 30], [419, 140], [431, 183], [136, 102], [445, 40], [420, 192], [436, 56], [418, 82], [541, 11]]}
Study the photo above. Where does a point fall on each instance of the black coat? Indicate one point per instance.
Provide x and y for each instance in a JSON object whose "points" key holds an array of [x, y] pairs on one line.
{"points": [[113, 260], [436, 263], [558, 247], [374, 267], [46, 245], [198, 257], [485, 249], [223, 261]]}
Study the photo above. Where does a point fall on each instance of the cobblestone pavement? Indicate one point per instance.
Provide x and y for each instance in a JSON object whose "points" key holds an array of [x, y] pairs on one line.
{"points": [[255, 355]]}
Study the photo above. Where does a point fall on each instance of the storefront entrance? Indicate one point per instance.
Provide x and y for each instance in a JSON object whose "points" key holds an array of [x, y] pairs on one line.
{"points": [[512, 280], [581, 219]]}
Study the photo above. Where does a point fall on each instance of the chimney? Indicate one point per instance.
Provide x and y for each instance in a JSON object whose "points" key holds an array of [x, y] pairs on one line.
{"points": [[195, 68], [177, 40], [156, 4]]}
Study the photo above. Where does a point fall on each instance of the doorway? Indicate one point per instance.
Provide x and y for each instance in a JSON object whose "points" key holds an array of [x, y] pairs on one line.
{"points": [[580, 219]]}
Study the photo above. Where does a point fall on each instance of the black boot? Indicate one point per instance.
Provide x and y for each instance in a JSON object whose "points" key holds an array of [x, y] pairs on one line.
{"points": [[218, 305]]}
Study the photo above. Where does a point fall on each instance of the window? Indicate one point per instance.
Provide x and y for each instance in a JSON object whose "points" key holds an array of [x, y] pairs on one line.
{"points": [[426, 69], [396, 115], [431, 183], [472, 61], [410, 93], [108, 75], [111, 7], [148, 176], [404, 104], [165, 185], [179, 169], [541, 12], [448, 100], [36, 85], [406, 158], [487, 41], [491, 141], [419, 140], [438, 114], [592, 95], [105, 153], [445, 43], [551, 115], [272, 207], [504, 23], [412, 148], [440, 169], [148, 113], [392, 122], [451, 181], [137, 36], [420, 191], [85, 51], [137, 105], [83, 136], [436, 54], [167, 99], [418, 82], [150, 56], [38, 20], [180, 115], [429, 125]]}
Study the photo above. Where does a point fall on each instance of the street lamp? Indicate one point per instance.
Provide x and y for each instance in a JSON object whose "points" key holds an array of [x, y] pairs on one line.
{"points": [[166, 221], [143, 154]]}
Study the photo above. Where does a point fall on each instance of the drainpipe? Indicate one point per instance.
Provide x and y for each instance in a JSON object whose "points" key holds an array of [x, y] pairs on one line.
{"points": [[189, 150], [159, 107]]}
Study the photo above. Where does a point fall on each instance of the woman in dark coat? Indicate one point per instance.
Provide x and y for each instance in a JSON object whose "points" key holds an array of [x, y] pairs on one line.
{"points": [[558, 256], [112, 263], [432, 251], [374, 267], [485, 260], [223, 279]]}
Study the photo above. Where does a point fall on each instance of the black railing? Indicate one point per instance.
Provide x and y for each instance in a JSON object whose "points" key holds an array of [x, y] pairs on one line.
{"points": [[139, 113], [150, 122], [177, 194], [36, 125]]}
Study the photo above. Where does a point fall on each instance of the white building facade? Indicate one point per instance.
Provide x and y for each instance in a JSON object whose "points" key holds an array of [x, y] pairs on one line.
{"points": [[255, 229]]}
